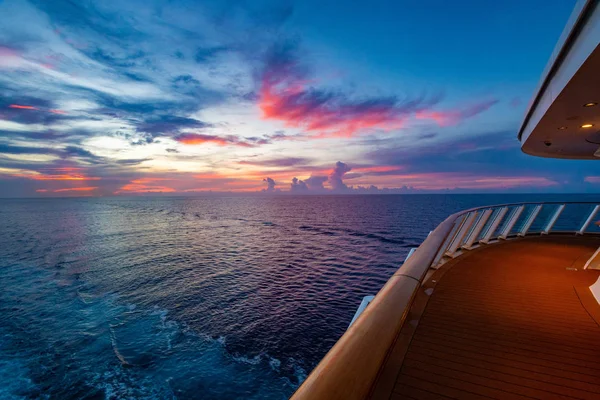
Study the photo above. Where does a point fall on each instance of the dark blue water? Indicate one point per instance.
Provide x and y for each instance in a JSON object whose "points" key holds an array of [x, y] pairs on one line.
{"points": [[209, 298]]}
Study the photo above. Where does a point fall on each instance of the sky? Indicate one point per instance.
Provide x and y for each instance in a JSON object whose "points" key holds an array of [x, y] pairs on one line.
{"points": [[102, 98]]}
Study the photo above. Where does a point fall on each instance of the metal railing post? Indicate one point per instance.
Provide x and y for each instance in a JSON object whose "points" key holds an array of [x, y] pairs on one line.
{"points": [[477, 229], [460, 235], [494, 225], [529, 221], [550, 223], [511, 222], [588, 220]]}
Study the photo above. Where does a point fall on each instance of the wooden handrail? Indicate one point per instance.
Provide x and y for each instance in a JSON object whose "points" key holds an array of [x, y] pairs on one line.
{"points": [[349, 370]]}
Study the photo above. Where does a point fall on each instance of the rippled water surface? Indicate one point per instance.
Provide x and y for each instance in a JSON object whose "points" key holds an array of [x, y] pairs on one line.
{"points": [[210, 298]]}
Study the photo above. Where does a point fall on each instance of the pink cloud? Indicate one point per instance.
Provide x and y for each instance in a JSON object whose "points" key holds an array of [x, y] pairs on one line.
{"points": [[286, 94], [454, 117], [25, 107], [9, 58], [198, 139], [146, 185], [76, 189], [22, 107]]}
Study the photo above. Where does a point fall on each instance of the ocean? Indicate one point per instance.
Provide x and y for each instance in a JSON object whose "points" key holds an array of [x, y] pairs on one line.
{"points": [[203, 297]]}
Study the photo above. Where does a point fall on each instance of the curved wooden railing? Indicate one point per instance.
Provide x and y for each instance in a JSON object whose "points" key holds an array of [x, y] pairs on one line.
{"points": [[350, 369]]}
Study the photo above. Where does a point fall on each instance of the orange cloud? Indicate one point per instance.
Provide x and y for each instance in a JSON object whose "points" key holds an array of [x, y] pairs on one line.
{"points": [[197, 139], [62, 177], [76, 189], [50, 174], [379, 168], [23, 107], [145, 185]]}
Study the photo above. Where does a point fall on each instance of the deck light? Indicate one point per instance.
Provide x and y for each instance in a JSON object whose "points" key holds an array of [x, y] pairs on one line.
{"points": [[591, 104], [562, 128], [587, 125]]}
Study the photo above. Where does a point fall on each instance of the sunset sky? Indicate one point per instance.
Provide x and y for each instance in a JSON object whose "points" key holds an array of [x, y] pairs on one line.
{"points": [[131, 97]]}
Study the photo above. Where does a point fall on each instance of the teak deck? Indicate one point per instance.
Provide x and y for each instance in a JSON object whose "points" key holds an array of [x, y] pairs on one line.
{"points": [[506, 321]]}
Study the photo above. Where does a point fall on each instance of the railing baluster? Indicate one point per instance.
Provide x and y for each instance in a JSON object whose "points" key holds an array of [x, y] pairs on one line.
{"points": [[552, 220], [475, 218], [458, 239], [477, 229], [511, 222], [483, 223], [529, 221], [449, 238], [494, 225], [588, 220]]}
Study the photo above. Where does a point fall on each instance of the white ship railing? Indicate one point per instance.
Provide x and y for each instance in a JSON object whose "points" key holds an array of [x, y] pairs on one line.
{"points": [[350, 369], [484, 225]]}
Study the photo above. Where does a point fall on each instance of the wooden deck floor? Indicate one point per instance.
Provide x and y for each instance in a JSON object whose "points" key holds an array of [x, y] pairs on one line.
{"points": [[505, 322]]}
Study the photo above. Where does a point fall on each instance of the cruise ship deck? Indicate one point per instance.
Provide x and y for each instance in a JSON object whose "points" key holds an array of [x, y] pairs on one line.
{"points": [[498, 302], [510, 320]]}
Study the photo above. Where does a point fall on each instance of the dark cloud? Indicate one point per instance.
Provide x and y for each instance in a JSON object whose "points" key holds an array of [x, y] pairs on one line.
{"points": [[186, 80], [83, 153], [278, 162], [270, 184], [67, 152], [168, 124], [488, 154], [28, 109], [132, 161], [206, 54], [116, 60], [298, 185], [337, 175], [172, 151], [8, 149], [315, 182]]}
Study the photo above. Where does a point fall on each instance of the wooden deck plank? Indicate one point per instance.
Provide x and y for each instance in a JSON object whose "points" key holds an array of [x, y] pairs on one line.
{"points": [[549, 353], [429, 385], [523, 382], [549, 375], [551, 337], [454, 382], [506, 322], [506, 340], [408, 392], [524, 364]]}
